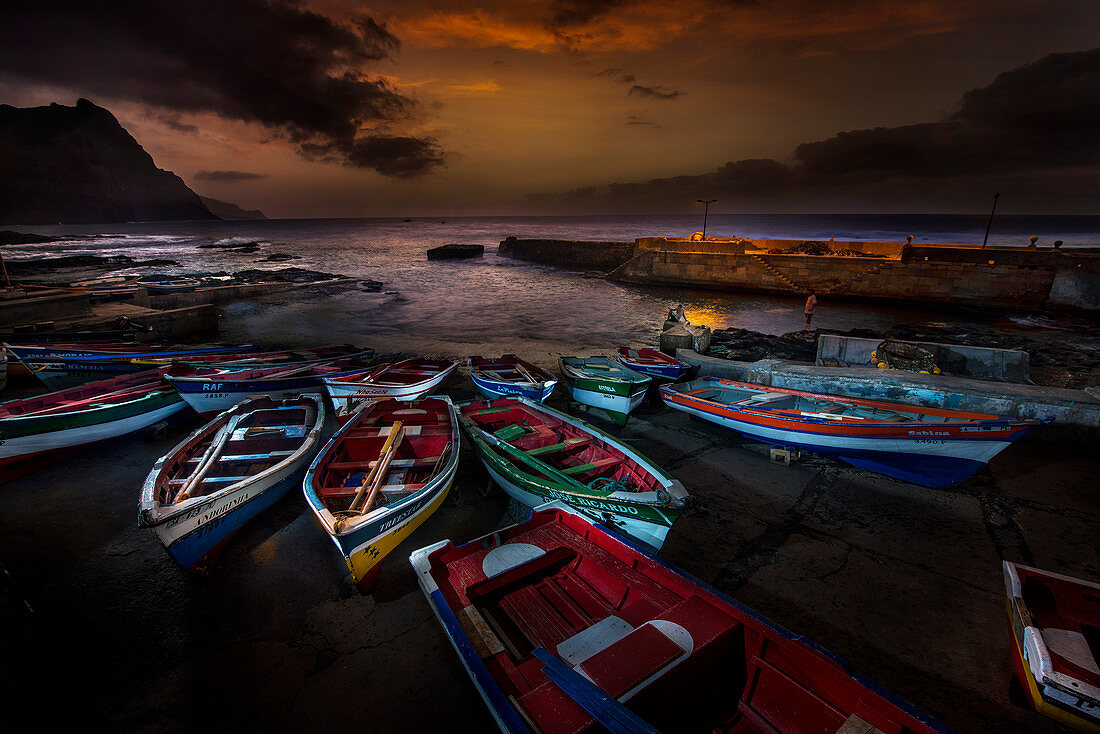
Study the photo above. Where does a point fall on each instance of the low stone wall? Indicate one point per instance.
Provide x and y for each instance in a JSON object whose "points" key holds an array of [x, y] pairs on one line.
{"points": [[984, 363], [574, 254], [19, 311], [1076, 413]]}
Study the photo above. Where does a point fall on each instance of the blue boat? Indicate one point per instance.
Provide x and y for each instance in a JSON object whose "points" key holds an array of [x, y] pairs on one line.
{"points": [[653, 362], [225, 473], [510, 375]]}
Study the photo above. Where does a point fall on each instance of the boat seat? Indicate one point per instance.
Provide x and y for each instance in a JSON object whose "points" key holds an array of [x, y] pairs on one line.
{"points": [[510, 432], [631, 662], [331, 492], [597, 465], [231, 458], [419, 461], [768, 397], [568, 443]]}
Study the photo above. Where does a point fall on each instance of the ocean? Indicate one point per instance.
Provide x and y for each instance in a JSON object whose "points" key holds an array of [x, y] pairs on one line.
{"points": [[493, 305]]}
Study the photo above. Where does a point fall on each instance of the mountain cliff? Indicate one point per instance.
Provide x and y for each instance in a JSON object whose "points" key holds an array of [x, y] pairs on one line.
{"points": [[77, 164], [226, 210]]}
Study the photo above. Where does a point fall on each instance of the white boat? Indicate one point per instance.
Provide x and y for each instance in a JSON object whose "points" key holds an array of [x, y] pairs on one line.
{"points": [[407, 380], [221, 476], [599, 382]]}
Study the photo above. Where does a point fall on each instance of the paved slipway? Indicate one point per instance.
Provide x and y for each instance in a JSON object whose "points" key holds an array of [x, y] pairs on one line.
{"points": [[903, 581]]}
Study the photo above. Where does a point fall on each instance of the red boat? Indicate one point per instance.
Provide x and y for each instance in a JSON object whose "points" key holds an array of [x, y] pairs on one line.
{"points": [[1055, 621], [565, 627]]}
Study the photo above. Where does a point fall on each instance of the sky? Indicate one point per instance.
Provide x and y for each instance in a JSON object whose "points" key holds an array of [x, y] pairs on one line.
{"points": [[330, 108]]}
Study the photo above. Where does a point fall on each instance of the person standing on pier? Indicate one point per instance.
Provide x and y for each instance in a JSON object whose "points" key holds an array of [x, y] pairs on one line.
{"points": [[811, 304]]}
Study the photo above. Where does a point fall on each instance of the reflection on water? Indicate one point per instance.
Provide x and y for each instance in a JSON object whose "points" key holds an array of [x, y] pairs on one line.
{"points": [[488, 305]]}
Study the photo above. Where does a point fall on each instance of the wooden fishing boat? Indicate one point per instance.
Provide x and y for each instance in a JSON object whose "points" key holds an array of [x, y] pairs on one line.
{"points": [[565, 627], [407, 380], [1054, 621], [161, 285], [63, 365], [601, 383], [537, 454], [933, 447], [33, 430], [112, 288], [510, 375], [260, 359], [380, 476], [653, 362], [210, 390], [221, 476]]}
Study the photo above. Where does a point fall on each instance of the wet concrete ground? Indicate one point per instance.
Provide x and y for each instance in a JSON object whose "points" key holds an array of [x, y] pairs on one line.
{"points": [[903, 581]]}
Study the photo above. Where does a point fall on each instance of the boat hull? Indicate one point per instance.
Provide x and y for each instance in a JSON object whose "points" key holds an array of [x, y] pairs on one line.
{"points": [[924, 454], [195, 533], [366, 543], [195, 540], [216, 393], [29, 448], [508, 604]]}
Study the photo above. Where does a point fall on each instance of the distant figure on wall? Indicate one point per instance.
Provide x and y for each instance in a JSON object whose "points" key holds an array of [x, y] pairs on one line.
{"points": [[811, 304]]}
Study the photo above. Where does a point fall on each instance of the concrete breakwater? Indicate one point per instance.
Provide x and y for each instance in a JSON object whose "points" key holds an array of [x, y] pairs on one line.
{"points": [[994, 277]]}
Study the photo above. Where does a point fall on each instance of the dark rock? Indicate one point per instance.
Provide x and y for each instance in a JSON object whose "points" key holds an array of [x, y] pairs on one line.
{"points": [[455, 251], [10, 237], [49, 264], [78, 164], [280, 257]]}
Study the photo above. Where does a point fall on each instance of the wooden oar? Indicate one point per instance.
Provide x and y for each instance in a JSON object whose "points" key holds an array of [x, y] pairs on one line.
{"points": [[524, 457], [215, 447], [380, 476], [523, 371], [397, 428]]}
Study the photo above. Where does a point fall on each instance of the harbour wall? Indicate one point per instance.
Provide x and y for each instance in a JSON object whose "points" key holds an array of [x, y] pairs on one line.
{"points": [[995, 277]]}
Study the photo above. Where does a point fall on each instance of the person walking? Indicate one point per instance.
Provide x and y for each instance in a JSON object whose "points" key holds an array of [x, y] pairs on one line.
{"points": [[811, 304]]}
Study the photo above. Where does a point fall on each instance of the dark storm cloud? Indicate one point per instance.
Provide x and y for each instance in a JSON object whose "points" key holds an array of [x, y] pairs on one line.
{"points": [[174, 122], [1037, 122], [270, 62], [576, 13], [655, 92], [228, 176], [620, 75]]}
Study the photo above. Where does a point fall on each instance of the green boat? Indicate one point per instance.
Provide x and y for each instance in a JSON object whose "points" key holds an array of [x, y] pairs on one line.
{"points": [[537, 454], [602, 383]]}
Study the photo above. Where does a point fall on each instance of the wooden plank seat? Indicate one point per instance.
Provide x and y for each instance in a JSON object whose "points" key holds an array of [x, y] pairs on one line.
{"points": [[598, 465], [413, 430], [244, 457], [631, 660], [568, 443], [416, 462], [329, 492]]}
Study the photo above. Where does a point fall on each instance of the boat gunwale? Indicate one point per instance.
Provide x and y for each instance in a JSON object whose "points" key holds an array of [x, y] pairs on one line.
{"points": [[152, 513], [964, 418], [443, 475]]}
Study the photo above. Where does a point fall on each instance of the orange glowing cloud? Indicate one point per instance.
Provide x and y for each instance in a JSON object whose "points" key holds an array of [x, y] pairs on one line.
{"points": [[820, 26]]}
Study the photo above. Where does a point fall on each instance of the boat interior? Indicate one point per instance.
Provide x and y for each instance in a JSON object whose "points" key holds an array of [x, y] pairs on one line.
{"points": [[422, 449], [236, 448], [1068, 615], [647, 356], [88, 396], [555, 450], [604, 367], [660, 646], [807, 406], [508, 369], [403, 373]]}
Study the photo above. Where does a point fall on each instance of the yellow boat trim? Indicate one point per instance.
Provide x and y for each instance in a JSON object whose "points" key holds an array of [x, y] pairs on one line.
{"points": [[362, 561], [1036, 697]]}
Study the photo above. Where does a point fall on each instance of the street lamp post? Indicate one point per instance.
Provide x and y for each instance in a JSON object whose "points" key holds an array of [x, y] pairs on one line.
{"points": [[706, 207], [990, 223]]}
